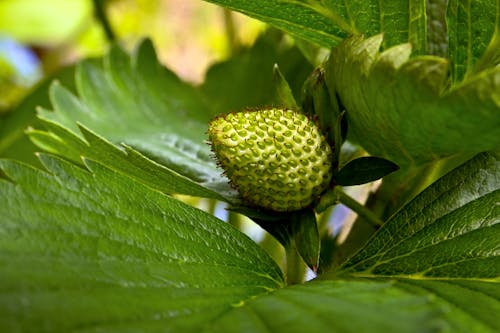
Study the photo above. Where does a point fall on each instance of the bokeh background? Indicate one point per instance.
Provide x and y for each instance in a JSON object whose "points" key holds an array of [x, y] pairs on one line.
{"points": [[37, 38]]}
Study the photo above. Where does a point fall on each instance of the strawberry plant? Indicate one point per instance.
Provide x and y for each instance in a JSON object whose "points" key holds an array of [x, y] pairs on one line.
{"points": [[96, 234]]}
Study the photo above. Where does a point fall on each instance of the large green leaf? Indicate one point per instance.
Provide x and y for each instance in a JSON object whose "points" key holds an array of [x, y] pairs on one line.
{"points": [[336, 306], [96, 251], [328, 22], [457, 216], [400, 109], [445, 243]]}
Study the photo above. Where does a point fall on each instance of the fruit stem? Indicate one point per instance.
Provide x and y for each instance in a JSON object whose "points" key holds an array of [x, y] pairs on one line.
{"points": [[358, 208], [295, 267]]}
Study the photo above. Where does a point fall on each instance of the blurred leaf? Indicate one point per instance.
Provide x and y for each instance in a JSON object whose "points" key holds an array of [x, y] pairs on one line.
{"points": [[314, 53], [364, 170], [398, 108], [247, 80], [95, 250], [13, 141]]}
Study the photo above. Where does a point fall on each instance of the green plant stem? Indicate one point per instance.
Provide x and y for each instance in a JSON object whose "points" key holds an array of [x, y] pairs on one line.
{"points": [[100, 14], [358, 208], [295, 267]]}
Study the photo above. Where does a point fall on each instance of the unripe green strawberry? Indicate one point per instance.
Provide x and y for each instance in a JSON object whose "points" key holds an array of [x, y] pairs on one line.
{"points": [[276, 158]]}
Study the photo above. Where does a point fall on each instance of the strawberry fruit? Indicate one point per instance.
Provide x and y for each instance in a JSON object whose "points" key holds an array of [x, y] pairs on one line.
{"points": [[277, 159]]}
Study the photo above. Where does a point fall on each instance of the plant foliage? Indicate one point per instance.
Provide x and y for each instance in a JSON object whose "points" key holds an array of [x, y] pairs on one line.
{"points": [[92, 237]]}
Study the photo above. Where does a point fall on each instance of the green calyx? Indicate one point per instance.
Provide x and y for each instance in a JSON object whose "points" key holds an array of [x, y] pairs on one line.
{"points": [[278, 159]]}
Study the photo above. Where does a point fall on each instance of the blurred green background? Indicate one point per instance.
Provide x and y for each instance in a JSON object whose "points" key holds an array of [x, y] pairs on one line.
{"points": [[38, 38]]}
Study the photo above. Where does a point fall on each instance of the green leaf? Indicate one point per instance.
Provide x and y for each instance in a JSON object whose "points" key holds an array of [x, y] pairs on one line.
{"points": [[98, 251], [317, 102], [157, 121], [448, 218], [471, 27], [283, 89], [328, 22], [301, 19], [471, 306], [306, 237], [124, 159], [108, 241], [336, 306], [364, 170], [296, 231], [445, 242], [399, 108]]}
